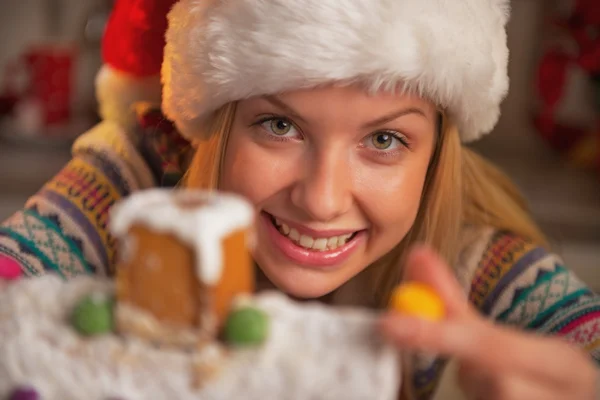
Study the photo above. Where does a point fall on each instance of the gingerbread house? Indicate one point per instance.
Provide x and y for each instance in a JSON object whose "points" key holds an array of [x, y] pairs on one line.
{"points": [[183, 258]]}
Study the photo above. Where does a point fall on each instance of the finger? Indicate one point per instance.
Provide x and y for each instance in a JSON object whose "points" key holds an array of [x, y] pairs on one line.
{"points": [[492, 348], [446, 338], [477, 385], [472, 380], [423, 265]]}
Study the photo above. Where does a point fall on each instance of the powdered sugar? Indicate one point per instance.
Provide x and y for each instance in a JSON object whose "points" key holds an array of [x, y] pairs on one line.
{"points": [[313, 352]]}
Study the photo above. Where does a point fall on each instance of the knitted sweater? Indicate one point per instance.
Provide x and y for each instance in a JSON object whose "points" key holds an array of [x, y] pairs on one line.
{"points": [[63, 228]]}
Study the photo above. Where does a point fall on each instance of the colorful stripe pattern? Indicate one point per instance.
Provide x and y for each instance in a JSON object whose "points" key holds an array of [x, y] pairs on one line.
{"points": [[64, 227], [166, 151], [520, 284], [538, 293], [43, 238]]}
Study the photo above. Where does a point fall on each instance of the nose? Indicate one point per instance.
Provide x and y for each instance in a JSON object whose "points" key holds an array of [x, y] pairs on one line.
{"points": [[324, 191]]}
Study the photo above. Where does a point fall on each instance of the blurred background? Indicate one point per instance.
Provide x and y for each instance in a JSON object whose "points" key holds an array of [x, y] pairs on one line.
{"points": [[548, 139]]}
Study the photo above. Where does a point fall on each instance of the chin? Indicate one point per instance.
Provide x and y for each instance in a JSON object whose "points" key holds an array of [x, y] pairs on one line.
{"points": [[300, 282], [302, 291]]}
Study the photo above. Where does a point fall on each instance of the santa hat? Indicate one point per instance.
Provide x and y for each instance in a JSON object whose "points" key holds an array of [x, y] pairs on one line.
{"points": [[132, 51], [451, 51]]}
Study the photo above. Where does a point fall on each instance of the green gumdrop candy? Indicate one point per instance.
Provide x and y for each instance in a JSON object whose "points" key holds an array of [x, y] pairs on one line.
{"points": [[93, 315], [246, 326]]}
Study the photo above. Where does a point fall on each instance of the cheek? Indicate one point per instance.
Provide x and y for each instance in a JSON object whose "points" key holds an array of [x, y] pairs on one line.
{"points": [[248, 170], [392, 197]]}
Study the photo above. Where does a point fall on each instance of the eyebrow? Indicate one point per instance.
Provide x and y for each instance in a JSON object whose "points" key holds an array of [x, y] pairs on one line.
{"points": [[372, 124], [280, 104], [393, 116]]}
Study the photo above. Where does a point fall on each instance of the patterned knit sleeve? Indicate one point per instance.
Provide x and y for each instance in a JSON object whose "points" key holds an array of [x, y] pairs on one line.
{"points": [[520, 284], [63, 227]]}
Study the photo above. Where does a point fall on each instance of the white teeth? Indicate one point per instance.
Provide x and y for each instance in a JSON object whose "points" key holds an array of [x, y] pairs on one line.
{"points": [[320, 244], [332, 243], [294, 235], [306, 241], [343, 239]]}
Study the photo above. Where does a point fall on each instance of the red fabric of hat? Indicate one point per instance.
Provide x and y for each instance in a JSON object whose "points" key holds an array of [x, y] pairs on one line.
{"points": [[135, 36]]}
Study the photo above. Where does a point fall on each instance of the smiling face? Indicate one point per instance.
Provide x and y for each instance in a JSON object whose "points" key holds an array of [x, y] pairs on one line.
{"points": [[336, 175]]}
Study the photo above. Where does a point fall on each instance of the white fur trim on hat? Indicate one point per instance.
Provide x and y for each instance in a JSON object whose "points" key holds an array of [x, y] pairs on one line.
{"points": [[118, 92], [451, 51]]}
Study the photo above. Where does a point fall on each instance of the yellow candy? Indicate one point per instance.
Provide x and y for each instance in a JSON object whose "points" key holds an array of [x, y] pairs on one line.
{"points": [[417, 300]]}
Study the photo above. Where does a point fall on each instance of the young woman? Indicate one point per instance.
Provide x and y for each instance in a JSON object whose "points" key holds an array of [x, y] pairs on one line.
{"points": [[344, 122]]}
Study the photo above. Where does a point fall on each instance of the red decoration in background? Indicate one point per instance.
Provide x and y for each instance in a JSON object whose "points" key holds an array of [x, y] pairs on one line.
{"points": [[42, 78], [582, 29], [51, 80], [551, 80], [136, 25]]}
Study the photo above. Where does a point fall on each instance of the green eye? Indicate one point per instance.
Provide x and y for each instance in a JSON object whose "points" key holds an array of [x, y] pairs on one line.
{"points": [[280, 127], [382, 141]]}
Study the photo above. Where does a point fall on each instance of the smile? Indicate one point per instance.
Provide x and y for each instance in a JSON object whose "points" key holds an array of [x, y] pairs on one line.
{"points": [[312, 248], [309, 242]]}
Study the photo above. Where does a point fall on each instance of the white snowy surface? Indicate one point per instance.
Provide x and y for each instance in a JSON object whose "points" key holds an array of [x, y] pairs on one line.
{"points": [[313, 352]]}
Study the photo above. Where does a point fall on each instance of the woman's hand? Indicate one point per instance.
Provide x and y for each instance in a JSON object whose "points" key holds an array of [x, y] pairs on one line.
{"points": [[494, 362]]}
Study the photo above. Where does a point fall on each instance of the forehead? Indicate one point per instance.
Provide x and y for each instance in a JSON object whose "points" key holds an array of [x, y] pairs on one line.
{"points": [[351, 104], [353, 98]]}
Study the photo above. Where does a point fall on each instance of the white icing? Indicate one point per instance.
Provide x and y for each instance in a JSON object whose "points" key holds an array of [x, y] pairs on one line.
{"points": [[128, 248], [204, 227], [312, 352]]}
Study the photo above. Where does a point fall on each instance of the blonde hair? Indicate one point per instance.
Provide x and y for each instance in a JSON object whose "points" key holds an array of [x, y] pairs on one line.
{"points": [[461, 188]]}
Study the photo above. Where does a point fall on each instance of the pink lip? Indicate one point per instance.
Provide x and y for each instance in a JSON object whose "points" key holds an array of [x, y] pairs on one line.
{"points": [[310, 258]]}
